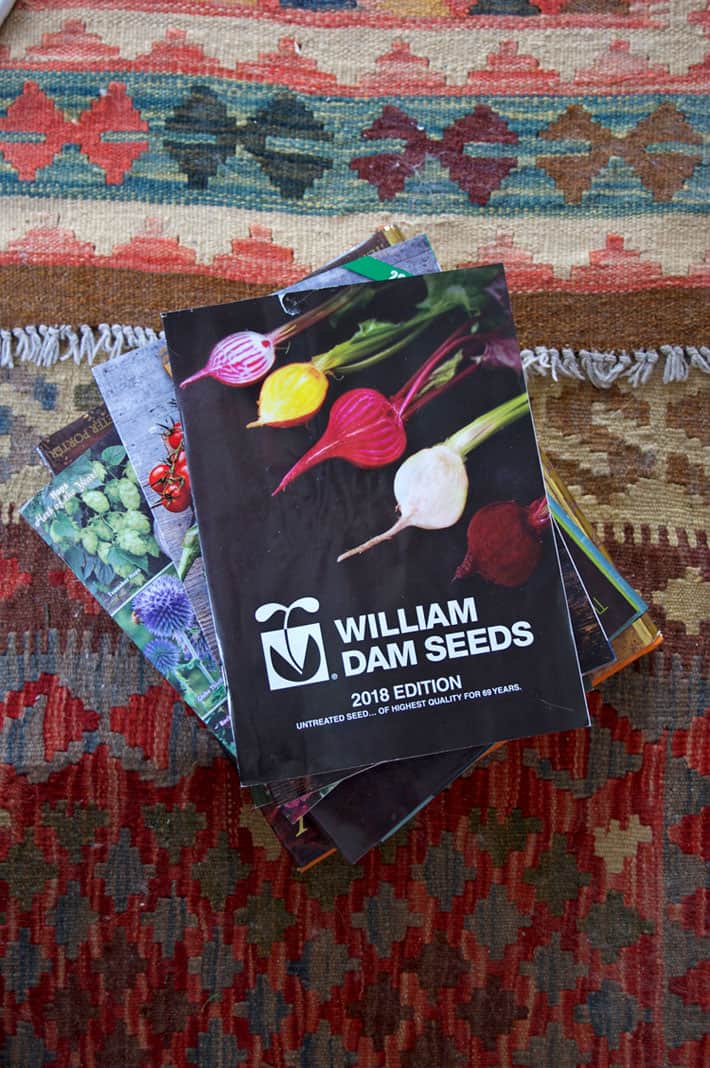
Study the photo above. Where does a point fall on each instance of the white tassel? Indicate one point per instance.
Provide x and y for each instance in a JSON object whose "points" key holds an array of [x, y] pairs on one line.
{"points": [[86, 344], [699, 358], [6, 349], [676, 369], [604, 368], [555, 364], [49, 350], [640, 372], [570, 366], [72, 344]]}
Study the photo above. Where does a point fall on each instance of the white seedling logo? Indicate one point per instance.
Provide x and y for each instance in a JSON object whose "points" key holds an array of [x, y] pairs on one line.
{"points": [[294, 656]]}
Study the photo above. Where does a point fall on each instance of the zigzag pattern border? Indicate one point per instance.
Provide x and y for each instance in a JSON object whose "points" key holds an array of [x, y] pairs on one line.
{"points": [[580, 260], [410, 66]]}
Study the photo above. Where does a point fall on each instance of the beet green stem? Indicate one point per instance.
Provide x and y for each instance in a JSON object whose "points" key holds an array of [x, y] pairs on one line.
{"points": [[404, 396], [466, 439], [343, 357], [309, 318]]}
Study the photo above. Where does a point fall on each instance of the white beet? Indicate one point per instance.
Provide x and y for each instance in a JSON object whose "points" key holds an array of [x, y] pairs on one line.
{"points": [[431, 489]]}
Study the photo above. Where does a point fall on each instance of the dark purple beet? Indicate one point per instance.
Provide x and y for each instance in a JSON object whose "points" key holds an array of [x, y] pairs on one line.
{"points": [[504, 542]]}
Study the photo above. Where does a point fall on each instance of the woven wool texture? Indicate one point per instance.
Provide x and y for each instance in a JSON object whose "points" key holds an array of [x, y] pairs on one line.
{"points": [[549, 908]]}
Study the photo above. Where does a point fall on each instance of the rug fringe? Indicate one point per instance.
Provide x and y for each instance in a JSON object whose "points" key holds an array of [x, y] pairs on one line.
{"points": [[46, 345]]}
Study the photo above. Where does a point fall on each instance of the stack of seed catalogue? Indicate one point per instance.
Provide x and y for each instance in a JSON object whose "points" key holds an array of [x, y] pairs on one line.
{"points": [[322, 515]]}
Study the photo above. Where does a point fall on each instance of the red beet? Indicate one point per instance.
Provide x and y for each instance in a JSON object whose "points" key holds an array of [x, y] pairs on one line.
{"points": [[363, 427], [504, 542]]}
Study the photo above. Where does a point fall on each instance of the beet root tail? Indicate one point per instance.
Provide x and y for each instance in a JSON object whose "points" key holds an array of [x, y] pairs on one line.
{"points": [[289, 477], [402, 523], [465, 568], [310, 459], [204, 373]]}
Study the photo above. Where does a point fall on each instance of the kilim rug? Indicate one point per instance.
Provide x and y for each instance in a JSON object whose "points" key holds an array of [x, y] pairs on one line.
{"points": [[550, 909]]}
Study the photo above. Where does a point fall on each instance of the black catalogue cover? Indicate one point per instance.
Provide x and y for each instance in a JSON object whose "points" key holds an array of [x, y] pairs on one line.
{"points": [[376, 537]]}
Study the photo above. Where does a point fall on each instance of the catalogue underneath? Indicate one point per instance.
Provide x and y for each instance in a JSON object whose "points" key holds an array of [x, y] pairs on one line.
{"points": [[140, 395], [89, 514]]}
